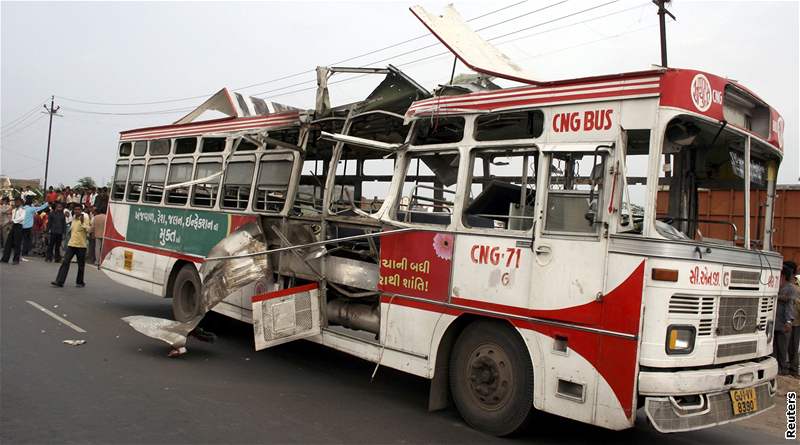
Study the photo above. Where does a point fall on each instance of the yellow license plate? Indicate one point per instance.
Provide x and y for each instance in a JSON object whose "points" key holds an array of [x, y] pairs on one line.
{"points": [[744, 401]]}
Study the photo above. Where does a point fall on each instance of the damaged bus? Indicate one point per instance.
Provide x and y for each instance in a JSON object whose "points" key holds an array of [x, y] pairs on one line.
{"points": [[503, 243]]}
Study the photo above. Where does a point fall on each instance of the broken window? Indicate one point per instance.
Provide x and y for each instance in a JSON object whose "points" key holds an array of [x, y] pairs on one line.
{"points": [[154, 184], [204, 194], [505, 126], [503, 189], [135, 182], [180, 171], [185, 146], [575, 192], [159, 147], [213, 145], [438, 130], [120, 176], [237, 183], [140, 148], [377, 179], [246, 144], [125, 149], [634, 194], [429, 188], [344, 195], [274, 173], [312, 183]]}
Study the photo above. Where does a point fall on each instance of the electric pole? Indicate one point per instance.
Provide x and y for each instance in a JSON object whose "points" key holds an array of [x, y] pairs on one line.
{"points": [[662, 11], [51, 111]]}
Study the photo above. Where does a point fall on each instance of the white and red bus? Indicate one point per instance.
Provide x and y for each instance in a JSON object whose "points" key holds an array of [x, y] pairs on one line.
{"points": [[503, 243]]}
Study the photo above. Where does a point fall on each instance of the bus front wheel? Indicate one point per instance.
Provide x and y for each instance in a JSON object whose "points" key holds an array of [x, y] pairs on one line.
{"points": [[186, 294], [491, 378]]}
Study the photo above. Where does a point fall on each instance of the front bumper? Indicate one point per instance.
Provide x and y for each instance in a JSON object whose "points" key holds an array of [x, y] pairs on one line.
{"points": [[690, 400]]}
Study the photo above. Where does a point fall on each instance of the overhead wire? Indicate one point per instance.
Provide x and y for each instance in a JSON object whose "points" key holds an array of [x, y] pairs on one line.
{"points": [[290, 76], [22, 117], [355, 77], [20, 129]]}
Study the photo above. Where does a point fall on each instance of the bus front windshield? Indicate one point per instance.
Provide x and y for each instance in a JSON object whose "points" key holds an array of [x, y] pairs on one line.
{"points": [[701, 190]]}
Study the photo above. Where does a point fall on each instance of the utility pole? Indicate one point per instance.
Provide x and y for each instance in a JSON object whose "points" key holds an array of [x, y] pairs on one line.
{"points": [[51, 111], [662, 11]]}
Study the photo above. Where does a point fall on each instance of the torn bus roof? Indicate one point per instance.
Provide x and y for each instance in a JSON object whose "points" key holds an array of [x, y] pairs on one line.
{"points": [[470, 48], [235, 105], [224, 125]]}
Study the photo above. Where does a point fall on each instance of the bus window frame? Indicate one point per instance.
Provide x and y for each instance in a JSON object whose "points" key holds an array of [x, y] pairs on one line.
{"points": [[190, 160], [534, 153], [546, 162], [271, 156], [120, 162], [145, 183], [193, 191], [135, 163], [241, 158], [407, 157]]}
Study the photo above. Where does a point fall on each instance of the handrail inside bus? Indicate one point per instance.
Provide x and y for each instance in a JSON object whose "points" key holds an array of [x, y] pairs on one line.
{"points": [[195, 181], [314, 244]]}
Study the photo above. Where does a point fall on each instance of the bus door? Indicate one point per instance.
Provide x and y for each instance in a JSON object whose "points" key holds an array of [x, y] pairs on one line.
{"points": [[569, 254]]}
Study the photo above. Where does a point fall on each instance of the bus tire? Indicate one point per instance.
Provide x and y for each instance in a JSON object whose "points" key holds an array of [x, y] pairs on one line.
{"points": [[186, 294], [491, 378]]}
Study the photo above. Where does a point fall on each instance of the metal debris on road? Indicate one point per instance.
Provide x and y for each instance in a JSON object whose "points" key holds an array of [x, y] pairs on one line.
{"points": [[74, 342]]}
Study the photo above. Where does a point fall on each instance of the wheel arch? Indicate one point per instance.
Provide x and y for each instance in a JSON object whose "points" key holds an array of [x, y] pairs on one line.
{"points": [[439, 396], [176, 267]]}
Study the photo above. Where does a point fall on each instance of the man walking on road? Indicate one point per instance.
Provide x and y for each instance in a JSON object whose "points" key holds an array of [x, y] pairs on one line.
{"points": [[79, 232], [56, 227], [15, 236], [27, 223]]}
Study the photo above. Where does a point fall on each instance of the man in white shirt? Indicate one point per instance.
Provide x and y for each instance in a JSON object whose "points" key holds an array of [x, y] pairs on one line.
{"points": [[27, 192], [15, 237]]}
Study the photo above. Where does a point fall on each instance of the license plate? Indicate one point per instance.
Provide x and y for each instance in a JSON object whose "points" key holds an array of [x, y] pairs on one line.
{"points": [[744, 401]]}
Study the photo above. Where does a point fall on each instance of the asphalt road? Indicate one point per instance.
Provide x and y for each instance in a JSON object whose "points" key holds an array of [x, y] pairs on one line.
{"points": [[119, 387]]}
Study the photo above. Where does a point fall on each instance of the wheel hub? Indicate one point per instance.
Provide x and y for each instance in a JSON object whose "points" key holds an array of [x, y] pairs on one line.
{"points": [[490, 376]]}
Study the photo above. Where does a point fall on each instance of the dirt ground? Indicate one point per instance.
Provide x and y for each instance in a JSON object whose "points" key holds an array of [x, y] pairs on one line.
{"points": [[774, 420]]}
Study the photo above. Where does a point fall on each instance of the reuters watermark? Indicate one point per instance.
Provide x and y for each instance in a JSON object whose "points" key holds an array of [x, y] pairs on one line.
{"points": [[791, 416]]}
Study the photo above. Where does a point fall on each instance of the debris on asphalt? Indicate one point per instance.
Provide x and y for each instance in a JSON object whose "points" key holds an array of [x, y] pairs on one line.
{"points": [[177, 352], [43, 331], [74, 342]]}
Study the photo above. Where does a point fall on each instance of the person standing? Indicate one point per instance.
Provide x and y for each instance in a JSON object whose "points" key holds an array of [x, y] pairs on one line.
{"points": [[101, 201], [90, 248], [5, 220], [76, 247], [98, 227], [15, 237], [783, 320], [27, 193], [56, 227], [51, 195], [27, 224], [794, 338]]}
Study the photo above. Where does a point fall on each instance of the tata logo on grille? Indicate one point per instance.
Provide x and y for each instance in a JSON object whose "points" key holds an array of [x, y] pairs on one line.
{"points": [[701, 92], [739, 319]]}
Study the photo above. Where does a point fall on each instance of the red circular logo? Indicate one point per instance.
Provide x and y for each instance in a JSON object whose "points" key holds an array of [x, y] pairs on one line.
{"points": [[701, 92]]}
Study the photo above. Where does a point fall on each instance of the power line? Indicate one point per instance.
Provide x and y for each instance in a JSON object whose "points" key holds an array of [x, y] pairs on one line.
{"points": [[20, 129], [22, 117], [313, 81], [290, 76]]}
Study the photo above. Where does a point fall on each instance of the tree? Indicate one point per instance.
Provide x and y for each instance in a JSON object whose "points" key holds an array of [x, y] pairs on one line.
{"points": [[86, 182]]}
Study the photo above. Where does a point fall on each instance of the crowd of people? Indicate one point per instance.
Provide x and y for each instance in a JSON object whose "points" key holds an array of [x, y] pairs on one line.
{"points": [[72, 221]]}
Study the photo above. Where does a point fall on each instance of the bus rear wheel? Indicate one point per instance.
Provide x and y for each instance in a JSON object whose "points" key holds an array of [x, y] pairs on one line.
{"points": [[491, 378], [186, 294]]}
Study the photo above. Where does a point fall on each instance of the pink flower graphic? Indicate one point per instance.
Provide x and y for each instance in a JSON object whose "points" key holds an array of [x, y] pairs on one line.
{"points": [[443, 245]]}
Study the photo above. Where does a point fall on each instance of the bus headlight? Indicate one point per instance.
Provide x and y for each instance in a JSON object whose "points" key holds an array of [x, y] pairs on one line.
{"points": [[680, 339]]}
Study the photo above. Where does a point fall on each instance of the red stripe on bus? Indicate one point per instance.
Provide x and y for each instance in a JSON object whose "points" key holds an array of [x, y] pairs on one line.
{"points": [[284, 292], [111, 243]]}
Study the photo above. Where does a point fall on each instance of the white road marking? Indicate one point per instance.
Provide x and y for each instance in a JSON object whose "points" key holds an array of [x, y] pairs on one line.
{"points": [[60, 320]]}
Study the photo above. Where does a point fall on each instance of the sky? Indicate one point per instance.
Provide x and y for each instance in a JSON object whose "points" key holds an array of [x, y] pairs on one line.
{"points": [[132, 60]]}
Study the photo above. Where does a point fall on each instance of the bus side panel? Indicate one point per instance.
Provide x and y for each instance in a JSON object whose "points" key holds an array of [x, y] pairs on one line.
{"points": [[124, 259]]}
